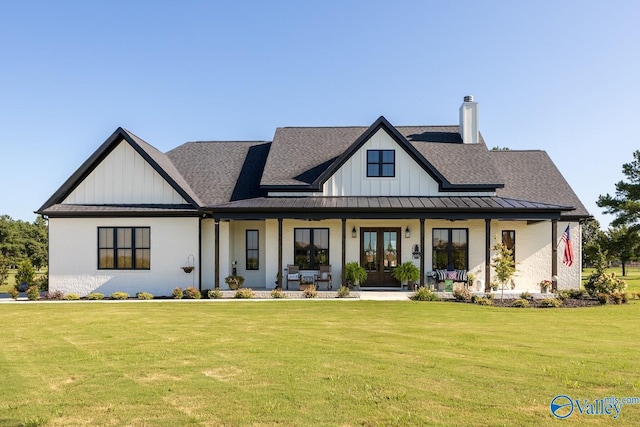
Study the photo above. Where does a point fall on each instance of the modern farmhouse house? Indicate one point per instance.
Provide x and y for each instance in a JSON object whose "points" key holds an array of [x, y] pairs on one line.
{"points": [[303, 205]]}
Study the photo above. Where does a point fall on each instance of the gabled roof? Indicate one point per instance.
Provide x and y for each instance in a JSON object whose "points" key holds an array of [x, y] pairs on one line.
{"points": [[159, 161], [221, 171], [304, 158], [531, 174]]}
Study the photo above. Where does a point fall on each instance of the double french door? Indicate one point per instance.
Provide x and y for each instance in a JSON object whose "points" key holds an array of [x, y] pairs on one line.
{"points": [[380, 255]]}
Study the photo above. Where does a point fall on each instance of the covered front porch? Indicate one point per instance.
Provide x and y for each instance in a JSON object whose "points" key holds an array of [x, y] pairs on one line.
{"points": [[261, 247]]}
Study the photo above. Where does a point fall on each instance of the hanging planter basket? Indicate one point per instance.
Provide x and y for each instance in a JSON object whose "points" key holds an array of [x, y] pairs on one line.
{"points": [[190, 265]]}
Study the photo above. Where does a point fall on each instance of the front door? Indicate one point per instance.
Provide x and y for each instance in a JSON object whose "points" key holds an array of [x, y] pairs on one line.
{"points": [[379, 255]]}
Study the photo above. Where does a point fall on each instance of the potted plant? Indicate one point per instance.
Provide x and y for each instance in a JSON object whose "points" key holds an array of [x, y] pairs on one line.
{"points": [[369, 254], [545, 285], [234, 282], [407, 273], [354, 274]]}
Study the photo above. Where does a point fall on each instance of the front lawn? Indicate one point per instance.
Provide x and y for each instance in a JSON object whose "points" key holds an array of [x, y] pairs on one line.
{"points": [[307, 362]]}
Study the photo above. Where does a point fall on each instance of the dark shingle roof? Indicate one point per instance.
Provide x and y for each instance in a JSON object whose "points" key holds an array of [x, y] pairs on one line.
{"points": [[220, 172], [531, 174], [299, 155]]}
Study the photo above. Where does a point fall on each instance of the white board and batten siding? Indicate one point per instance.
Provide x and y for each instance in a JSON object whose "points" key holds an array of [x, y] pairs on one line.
{"points": [[124, 177], [73, 264]]}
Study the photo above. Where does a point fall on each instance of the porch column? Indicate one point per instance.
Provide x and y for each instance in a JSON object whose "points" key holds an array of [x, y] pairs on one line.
{"points": [[487, 254], [422, 252], [554, 254], [344, 250], [200, 253], [279, 275], [216, 243]]}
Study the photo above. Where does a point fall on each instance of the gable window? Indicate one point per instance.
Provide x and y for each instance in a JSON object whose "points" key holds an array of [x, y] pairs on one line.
{"points": [[381, 163], [311, 247], [509, 241], [450, 249], [124, 248], [253, 254]]}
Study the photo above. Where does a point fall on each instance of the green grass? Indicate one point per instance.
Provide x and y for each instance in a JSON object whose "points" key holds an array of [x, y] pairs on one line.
{"points": [[632, 278], [292, 363]]}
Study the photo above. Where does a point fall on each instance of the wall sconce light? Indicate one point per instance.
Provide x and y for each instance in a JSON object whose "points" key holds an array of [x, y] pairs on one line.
{"points": [[354, 233], [407, 233]]}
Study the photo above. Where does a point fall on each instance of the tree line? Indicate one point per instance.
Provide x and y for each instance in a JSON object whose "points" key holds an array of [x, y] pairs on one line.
{"points": [[621, 242], [22, 240]]}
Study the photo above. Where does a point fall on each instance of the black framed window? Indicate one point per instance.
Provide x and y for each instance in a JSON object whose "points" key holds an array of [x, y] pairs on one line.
{"points": [[381, 163], [509, 241], [450, 249], [253, 253], [124, 248], [311, 247]]}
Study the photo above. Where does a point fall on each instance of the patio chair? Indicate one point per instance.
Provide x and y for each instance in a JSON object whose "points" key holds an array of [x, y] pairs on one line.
{"points": [[293, 275], [323, 276]]}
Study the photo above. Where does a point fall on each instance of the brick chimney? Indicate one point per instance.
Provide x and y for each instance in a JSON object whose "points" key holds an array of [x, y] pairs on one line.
{"points": [[469, 121]]}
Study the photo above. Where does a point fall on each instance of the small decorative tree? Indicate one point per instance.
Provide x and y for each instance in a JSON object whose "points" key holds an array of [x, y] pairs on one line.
{"points": [[503, 265], [25, 274]]}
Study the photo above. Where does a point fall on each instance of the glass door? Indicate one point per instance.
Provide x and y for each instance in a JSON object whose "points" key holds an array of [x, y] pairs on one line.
{"points": [[380, 255]]}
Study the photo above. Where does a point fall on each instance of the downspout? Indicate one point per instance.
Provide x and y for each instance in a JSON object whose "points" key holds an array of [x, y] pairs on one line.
{"points": [[487, 254], [217, 255], [279, 274], [422, 252], [200, 253], [554, 254], [344, 249]]}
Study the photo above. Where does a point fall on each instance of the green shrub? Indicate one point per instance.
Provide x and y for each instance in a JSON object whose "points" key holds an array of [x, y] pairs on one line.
{"points": [[616, 297], [625, 297], [54, 295], [95, 296], [310, 292], [42, 282], [192, 293], [522, 302], [576, 293], [462, 294], [474, 299], [144, 295], [244, 293], [424, 294], [33, 293], [485, 301], [72, 297], [278, 294], [13, 293], [177, 293], [550, 302], [119, 295], [601, 281], [343, 292], [490, 296], [563, 295], [204, 294], [215, 294], [602, 298], [525, 295]]}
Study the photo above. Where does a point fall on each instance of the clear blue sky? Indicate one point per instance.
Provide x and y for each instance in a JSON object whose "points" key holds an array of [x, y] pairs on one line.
{"points": [[562, 76]]}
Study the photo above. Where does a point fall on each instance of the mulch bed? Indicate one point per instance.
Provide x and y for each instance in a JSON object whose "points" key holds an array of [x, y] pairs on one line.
{"points": [[568, 303]]}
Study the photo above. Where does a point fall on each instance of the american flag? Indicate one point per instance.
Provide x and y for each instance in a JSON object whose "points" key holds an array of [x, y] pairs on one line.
{"points": [[567, 258]]}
